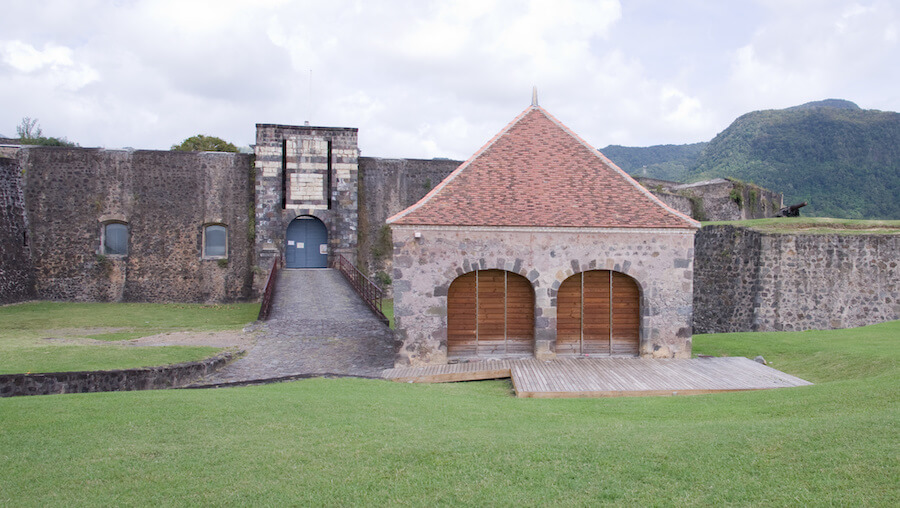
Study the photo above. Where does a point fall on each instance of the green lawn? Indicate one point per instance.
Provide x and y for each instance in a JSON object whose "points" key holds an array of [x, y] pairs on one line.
{"points": [[815, 225], [387, 308], [346, 442], [27, 332]]}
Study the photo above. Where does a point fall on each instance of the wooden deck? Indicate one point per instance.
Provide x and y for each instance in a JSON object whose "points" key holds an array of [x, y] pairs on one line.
{"points": [[609, 377]]}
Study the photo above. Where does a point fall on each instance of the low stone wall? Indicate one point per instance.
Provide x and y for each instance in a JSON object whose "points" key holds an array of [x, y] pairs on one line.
{"points": [[749, 281], [147, 378]]}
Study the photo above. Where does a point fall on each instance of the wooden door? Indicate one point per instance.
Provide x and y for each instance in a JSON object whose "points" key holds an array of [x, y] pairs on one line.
{"points": [[462, 323], [626, 318], [490, 313], [598, 313], [568, 316]]}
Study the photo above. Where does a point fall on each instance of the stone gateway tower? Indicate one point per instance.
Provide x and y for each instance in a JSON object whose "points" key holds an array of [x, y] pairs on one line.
{"points": [[306, 194], [540, 246]]}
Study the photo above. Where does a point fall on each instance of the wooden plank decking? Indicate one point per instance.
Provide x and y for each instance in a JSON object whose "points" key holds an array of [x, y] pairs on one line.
{"points": [[609, 377]]}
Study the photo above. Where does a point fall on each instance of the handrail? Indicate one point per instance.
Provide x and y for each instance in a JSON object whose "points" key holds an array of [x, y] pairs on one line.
{"points": [[269, 292], [368, 290]]}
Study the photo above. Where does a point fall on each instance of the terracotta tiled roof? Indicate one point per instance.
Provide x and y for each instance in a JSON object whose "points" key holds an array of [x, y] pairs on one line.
{"points": [[536, 172]]}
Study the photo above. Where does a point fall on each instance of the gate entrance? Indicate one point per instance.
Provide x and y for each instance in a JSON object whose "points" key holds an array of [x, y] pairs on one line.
{"points": [[306, 243]]}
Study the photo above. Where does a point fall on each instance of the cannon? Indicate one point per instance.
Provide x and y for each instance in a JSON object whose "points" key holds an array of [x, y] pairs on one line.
{"points": [[791, 211]]}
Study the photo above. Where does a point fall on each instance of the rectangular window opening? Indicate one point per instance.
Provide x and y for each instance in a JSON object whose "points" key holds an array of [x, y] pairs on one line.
{"points": [[329, 174], [284, 177]]}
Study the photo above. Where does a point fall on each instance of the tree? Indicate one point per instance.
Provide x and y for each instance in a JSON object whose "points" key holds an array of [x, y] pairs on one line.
{"points": [[201, 143], [29, 129], [30, 134]]}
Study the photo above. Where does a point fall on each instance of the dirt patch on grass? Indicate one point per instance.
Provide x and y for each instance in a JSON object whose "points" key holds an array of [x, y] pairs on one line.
{"points": [[226, 339]]}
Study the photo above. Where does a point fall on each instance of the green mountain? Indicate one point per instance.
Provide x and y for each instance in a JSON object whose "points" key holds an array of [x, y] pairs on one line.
{"points": [[843, 160], [666, 162]]}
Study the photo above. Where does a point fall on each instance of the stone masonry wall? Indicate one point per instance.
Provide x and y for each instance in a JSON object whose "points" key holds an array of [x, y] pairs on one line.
{"points": [[386, 187], [718, 199], [293, 164], [16, 275], [661, 261], [747, 281], [144, 378], [164, 197]]}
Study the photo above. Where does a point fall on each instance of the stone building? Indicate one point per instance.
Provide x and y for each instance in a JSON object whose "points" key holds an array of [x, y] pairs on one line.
{"points": [[306, 194], [539, 245]]}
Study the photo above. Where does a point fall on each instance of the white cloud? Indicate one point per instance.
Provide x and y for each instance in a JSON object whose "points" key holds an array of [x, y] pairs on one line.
{"points": [[431, 78], [54, 63], [809, 51]]}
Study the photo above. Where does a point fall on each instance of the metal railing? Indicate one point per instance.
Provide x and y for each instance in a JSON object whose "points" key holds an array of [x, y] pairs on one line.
{"points": [[269, 293], [368, 290]]}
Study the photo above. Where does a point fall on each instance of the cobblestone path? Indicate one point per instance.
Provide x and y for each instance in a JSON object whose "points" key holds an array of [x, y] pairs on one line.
{"points": [[318, 325]]}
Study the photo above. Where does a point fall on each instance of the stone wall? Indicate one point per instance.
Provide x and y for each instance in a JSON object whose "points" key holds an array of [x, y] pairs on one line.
{"points": [[386, 187], [660, 261], [16, 274], [718, 199], [304, 170], [749, 281], [165, 198], [146, 378]]}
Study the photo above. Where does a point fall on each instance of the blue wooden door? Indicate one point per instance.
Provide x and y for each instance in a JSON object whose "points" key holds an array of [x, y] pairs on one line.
{"points": [[306, 244]]}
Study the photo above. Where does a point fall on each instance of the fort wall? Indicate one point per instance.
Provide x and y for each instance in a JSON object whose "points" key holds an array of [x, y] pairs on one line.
{"points": [[745, 280], [164, 198], [718, 199], [388, 186], [16, 273]]}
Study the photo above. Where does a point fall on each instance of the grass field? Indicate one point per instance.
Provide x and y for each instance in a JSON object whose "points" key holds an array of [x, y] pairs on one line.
{"points": [[42, 337], [344, 442], [816, 225]]}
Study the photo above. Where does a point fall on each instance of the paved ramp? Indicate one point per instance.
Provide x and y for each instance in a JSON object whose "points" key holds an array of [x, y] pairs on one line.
{"points": [[318, 325]]}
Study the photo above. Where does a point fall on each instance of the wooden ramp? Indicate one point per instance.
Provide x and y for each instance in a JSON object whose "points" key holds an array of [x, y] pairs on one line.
{"points": [[609, 377]]}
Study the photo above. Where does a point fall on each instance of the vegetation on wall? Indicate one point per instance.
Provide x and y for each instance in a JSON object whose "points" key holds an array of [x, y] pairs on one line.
{"points": [[202, 143], [29, 132]]}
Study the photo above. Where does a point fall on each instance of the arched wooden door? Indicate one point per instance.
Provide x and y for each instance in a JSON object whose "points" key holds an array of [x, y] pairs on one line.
{"points": [[490, 313], [598, 313], [306, 243]]}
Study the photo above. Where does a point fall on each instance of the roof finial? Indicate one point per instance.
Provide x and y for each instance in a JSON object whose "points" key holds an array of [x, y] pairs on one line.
{"points": [[534, 101]]}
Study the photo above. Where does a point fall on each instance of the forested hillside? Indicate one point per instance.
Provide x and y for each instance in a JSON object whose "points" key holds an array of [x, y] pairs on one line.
{"points": [[843, 160], [666, 162]]}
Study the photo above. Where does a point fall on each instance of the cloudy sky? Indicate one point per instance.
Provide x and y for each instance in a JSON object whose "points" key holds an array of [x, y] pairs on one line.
{"points": [[433, 78]]}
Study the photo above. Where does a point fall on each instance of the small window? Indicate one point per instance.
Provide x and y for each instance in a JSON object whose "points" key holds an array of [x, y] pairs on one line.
{"points": [[115, 239], [215, 242]]}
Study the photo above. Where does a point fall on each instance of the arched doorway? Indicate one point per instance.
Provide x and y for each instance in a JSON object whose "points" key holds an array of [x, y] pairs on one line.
{"points": [[598, 313], [490, 313], [306, 243]]}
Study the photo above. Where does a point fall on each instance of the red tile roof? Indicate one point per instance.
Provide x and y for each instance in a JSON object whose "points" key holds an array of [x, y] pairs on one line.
{"points": [[538, 173]]}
